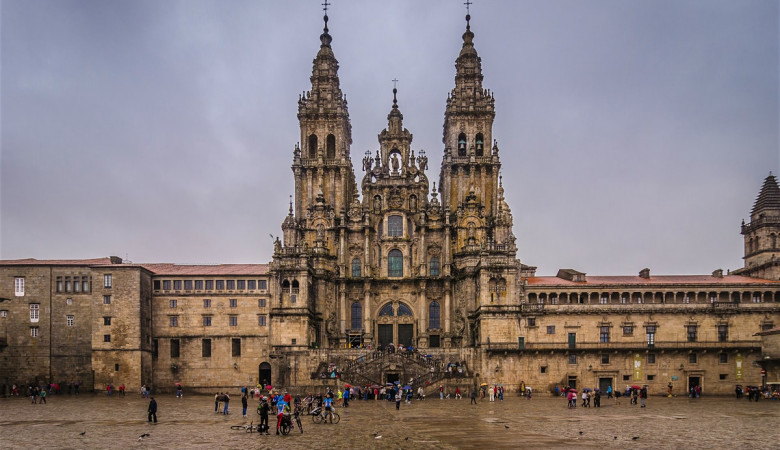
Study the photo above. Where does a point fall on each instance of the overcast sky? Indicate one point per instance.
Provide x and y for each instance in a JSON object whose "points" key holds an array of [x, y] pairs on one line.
{"points": [[632, 134]]}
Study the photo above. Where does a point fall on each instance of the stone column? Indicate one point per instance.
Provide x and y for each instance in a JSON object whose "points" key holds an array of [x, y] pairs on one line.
{"points": [[343, 308], [367, 309], [446, 312]]}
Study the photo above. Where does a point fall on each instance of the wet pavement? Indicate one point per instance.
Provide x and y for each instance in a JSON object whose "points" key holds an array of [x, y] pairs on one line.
{"points": [[543, 422]]}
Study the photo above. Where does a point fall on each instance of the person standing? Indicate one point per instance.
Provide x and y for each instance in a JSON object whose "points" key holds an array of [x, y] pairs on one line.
{"points": [[345, 396], [643, 395], [473, 396], [216, 401], [152, 410], [263, 409], [244, 403], [441, 392], [597, 400], [609, 391], [398, 400], [226, 399], [179, 391], [122, 390], [43, 396], [492, 394], [457, 393]]}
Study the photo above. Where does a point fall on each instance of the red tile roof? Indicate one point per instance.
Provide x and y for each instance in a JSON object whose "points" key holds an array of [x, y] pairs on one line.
{"points": [[653, 280], [205, 269], [55, 262]]}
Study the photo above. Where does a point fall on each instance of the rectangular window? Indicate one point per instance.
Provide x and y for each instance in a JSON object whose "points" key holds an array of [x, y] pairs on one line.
{"points": [[650, 331], [293, 298], [106, 299], [167, 285], [251, 285], [605, 358], [231, 285], [532, 321], [198, 285], [604, 300], [220, 285], [4, 313], [722, 376], [724, 358], [693, 358], [116, 367], [207, 303], [767, 326], [176, 285], [59, 284], [34, 312], [84, 284], [692, 333], [628, 330], [67, 284], [236, 346], [572, 359], [550, 329], [174, 348], [604, 335], [623, 300], [233, 303], [69, 320], [395, 225], [187, 285], [106, 320], [174, 321], [173, 303], [233, 321], [650, 377], [543, 369], [261, 321], [294, 341], [19, 286], [206, 348], [156, 285], [34, 332], [651, 358], [209, 285], [262, 285], [241, 285], [106, 338], [76, 285], [626, 377], [206, 321], [723, 333], [261, 303], [107, 281]]}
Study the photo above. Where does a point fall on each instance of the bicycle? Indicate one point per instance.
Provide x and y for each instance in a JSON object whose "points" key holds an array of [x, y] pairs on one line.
{"points": [[248, 428], [289, 421], [318, 416]]}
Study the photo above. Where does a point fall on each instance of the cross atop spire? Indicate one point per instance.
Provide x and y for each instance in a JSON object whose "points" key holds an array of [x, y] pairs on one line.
{"points": [[325, 18], [325, 6], [395, 91], [468, 12]]}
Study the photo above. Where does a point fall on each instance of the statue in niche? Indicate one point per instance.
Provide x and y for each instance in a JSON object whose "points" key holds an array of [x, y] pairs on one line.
{"points": [[396, 163], [320, 231]]}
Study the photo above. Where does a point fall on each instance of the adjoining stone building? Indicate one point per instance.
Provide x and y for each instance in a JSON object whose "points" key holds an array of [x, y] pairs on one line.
{"points": [[407, 260]]}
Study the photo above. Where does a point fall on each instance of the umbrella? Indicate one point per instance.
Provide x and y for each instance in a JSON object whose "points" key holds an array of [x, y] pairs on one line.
{"points": [[396, 382], [636, 387], [177, 384], [483, 384], [268, 387], [407, 387], [587, 390], [573, 390], [388, 384], [347, 386]]}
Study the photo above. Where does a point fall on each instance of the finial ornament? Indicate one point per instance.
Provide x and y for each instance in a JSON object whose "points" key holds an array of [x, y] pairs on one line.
{"points": [[395, 91], [468, 12]]}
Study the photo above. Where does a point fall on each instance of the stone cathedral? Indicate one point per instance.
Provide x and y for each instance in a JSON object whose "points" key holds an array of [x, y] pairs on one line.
{"points": [[392, 274]]}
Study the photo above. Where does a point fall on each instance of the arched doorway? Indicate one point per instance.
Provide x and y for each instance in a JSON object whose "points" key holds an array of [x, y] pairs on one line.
{"points": [[395, 324], [264, 374]]}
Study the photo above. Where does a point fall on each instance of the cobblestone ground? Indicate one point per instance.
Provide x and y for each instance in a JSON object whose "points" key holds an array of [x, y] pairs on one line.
{"points": [[543, 422]]}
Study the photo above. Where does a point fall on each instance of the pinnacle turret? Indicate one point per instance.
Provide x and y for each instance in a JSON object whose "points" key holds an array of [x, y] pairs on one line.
{"points": [[768, 200]]}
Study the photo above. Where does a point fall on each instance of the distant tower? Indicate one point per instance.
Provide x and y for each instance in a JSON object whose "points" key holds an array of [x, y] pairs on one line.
{"points": [[762, 234]]}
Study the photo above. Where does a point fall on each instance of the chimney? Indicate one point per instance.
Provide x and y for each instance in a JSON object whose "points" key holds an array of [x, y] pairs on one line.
{"points": [[644, 273], [717, 273]]}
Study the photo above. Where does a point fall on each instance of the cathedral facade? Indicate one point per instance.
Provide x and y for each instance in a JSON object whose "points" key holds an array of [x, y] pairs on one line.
{"points": [[391, 256]]}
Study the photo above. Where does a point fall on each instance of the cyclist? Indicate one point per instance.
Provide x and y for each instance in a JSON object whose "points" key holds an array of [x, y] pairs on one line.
{"points": [[263, 408], [328, 402], [281, 408]]}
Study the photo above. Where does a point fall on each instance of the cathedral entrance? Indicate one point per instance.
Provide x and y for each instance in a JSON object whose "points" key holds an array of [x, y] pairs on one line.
{"points": [[395, 325], [264, 374]]}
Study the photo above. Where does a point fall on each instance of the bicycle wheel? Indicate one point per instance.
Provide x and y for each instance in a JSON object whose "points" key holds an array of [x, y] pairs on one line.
{"points": [[237, 427], [285, 429], [336, 417], [317, 418], [298, 421]]}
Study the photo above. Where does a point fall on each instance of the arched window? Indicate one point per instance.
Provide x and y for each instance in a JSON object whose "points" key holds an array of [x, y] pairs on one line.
{"points": [[395, 225], [387, 310], [480, 144], [313, 146], [395, 263], [434, 321], [462, 145], [774, 241], [434, 271], [356, 267], [330, 145], [404, 310], [285, 285], [357, 317]]}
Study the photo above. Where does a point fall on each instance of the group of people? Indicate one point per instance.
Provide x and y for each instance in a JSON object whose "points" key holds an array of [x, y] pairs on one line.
{"points": [[636, 394]]}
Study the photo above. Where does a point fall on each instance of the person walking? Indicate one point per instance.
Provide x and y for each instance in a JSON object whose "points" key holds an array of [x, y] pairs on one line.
{"points": [[609, 391], [345, 397], [643, 395], [43, 396], [244, 403], [152, 410], [457, 393], [398, 400], [122, 390], [179, 391], [441, 392], [597, 399], [473, 396]]}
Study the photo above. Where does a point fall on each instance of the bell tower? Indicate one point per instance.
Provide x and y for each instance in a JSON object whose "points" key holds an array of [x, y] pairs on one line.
{"points": [[322, 163], [762, 234]]}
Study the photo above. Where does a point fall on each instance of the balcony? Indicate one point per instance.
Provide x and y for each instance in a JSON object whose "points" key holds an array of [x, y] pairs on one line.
{"points": [[628, 346]]}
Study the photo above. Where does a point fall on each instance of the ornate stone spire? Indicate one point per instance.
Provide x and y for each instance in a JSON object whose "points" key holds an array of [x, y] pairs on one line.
{"points": [[468, 94], [395, 139], [768, 200]]}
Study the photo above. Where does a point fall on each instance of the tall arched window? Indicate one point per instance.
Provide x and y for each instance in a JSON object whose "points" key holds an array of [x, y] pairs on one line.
{"points": [[434, 320], [395, 263], [480, 144], [356, 267], [774, 241], [313, 146], [404, 310], [462, 145], [330, 145], [434, 271], [356, 317]]}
